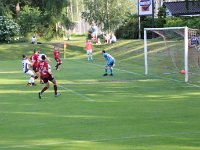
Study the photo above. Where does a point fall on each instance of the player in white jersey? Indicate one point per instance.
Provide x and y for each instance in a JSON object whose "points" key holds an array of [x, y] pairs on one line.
{"points": [[25, 65]]}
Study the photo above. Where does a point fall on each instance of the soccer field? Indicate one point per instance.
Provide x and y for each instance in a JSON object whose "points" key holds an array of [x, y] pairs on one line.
{"points": [[128, 111]]}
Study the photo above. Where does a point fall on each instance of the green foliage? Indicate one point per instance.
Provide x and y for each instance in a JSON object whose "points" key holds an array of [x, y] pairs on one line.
{"points": [[29, 20], [130, 28], [191, 22], [4, 10], [40, 17], [109, 14], [8, 29]]}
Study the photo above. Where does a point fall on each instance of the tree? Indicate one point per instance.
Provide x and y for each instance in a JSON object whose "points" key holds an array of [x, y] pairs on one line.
{"points": [[58, 11], [29, 20], [109, 14], [47, 19]]}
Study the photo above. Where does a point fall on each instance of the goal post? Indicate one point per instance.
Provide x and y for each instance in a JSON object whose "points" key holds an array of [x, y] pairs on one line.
{"points": [[172, 53]]}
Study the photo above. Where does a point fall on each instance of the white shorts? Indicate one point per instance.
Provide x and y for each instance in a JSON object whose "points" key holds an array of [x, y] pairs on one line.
{"points": [[30, 73], [89, 51]]}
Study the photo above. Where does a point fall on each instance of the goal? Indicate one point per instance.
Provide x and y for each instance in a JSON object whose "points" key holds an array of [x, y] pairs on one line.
{"points": [[169, 50]]}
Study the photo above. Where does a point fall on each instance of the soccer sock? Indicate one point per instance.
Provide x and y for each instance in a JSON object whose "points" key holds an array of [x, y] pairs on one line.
{"points": [[32, 79], [56, 66], [44, 89], [55, 89], [111, 70], [106, 70]]}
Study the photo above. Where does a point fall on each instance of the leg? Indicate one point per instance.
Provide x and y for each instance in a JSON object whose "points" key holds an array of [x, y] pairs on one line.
{"points": [[44, 88], [32, 78], [106, 71], [59, 62], [55, 88], [41, 81], [111, 71], [91, 55], [88, 55]]}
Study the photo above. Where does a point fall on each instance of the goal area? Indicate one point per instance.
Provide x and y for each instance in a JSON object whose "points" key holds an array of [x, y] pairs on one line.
{"points": [[172, 52]]}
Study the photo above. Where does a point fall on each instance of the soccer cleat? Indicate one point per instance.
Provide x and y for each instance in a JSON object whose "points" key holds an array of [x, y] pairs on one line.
{"points": [[40, 95], [105, 74], [58, 94], [41, 82], [33, 84], [111, 74], [29, 84], [35, 77]]}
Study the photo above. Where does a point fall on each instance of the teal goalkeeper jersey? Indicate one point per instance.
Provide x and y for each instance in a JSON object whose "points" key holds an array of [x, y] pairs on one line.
{"points": [[108, 57]]}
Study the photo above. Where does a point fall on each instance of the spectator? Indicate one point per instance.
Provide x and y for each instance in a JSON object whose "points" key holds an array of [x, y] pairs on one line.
{"points": [[113, 38], [94, 33], [107, 38], [34, 40]]}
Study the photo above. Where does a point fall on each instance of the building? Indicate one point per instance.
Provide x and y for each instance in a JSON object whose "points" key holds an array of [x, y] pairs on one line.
{"points": [[182, 8]]}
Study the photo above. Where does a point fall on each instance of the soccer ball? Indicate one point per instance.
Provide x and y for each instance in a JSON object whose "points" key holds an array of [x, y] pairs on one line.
{"points": [[182, 71]]}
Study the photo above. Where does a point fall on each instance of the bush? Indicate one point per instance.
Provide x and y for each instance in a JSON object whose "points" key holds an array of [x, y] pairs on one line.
{"points": [[130, 28], [8, 29], [191, 22]]}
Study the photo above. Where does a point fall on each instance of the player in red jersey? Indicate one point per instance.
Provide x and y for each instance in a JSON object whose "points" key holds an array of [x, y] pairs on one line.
{"points": [[57, 58], [88, 48], [34, 59], [46, 77]]}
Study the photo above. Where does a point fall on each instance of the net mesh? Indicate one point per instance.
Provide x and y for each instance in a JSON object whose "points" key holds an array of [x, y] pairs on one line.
{"points": [[166, 54]]}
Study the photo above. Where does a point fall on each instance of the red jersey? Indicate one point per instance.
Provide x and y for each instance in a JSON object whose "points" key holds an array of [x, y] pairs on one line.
{"points": [[43, 68], [88, 45], [35, 60], [56, 54]]}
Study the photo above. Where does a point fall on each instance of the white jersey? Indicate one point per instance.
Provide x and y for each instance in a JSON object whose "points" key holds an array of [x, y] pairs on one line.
{"points": [[40, 57], [25, 63]]}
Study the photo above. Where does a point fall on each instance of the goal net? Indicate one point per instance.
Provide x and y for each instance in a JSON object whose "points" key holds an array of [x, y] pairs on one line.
{"points": [[172, 52]]}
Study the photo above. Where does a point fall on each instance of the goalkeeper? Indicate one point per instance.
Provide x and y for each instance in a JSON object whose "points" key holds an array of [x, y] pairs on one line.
{"points": [[110, 63]]}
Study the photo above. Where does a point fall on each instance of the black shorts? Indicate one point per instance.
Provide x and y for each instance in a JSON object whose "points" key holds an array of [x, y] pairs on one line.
{"points": [[35, 69], [47, 78]]}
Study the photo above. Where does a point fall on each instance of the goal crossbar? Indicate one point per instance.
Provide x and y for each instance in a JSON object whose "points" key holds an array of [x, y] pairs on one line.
{"points": [[167, 28]]}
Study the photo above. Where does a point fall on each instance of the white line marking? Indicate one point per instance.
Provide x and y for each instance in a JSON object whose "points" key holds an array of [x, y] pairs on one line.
{"points": [[76, 93]]}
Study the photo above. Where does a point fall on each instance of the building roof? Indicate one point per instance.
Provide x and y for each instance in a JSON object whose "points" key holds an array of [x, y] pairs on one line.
{"points": [[182, 8]]}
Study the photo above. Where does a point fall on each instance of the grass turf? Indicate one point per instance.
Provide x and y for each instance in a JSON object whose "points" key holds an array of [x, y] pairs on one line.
{"points": [[127, 111]]}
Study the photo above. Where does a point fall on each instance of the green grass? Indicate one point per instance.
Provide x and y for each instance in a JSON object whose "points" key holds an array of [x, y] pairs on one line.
{"points": [[129, 111]]}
